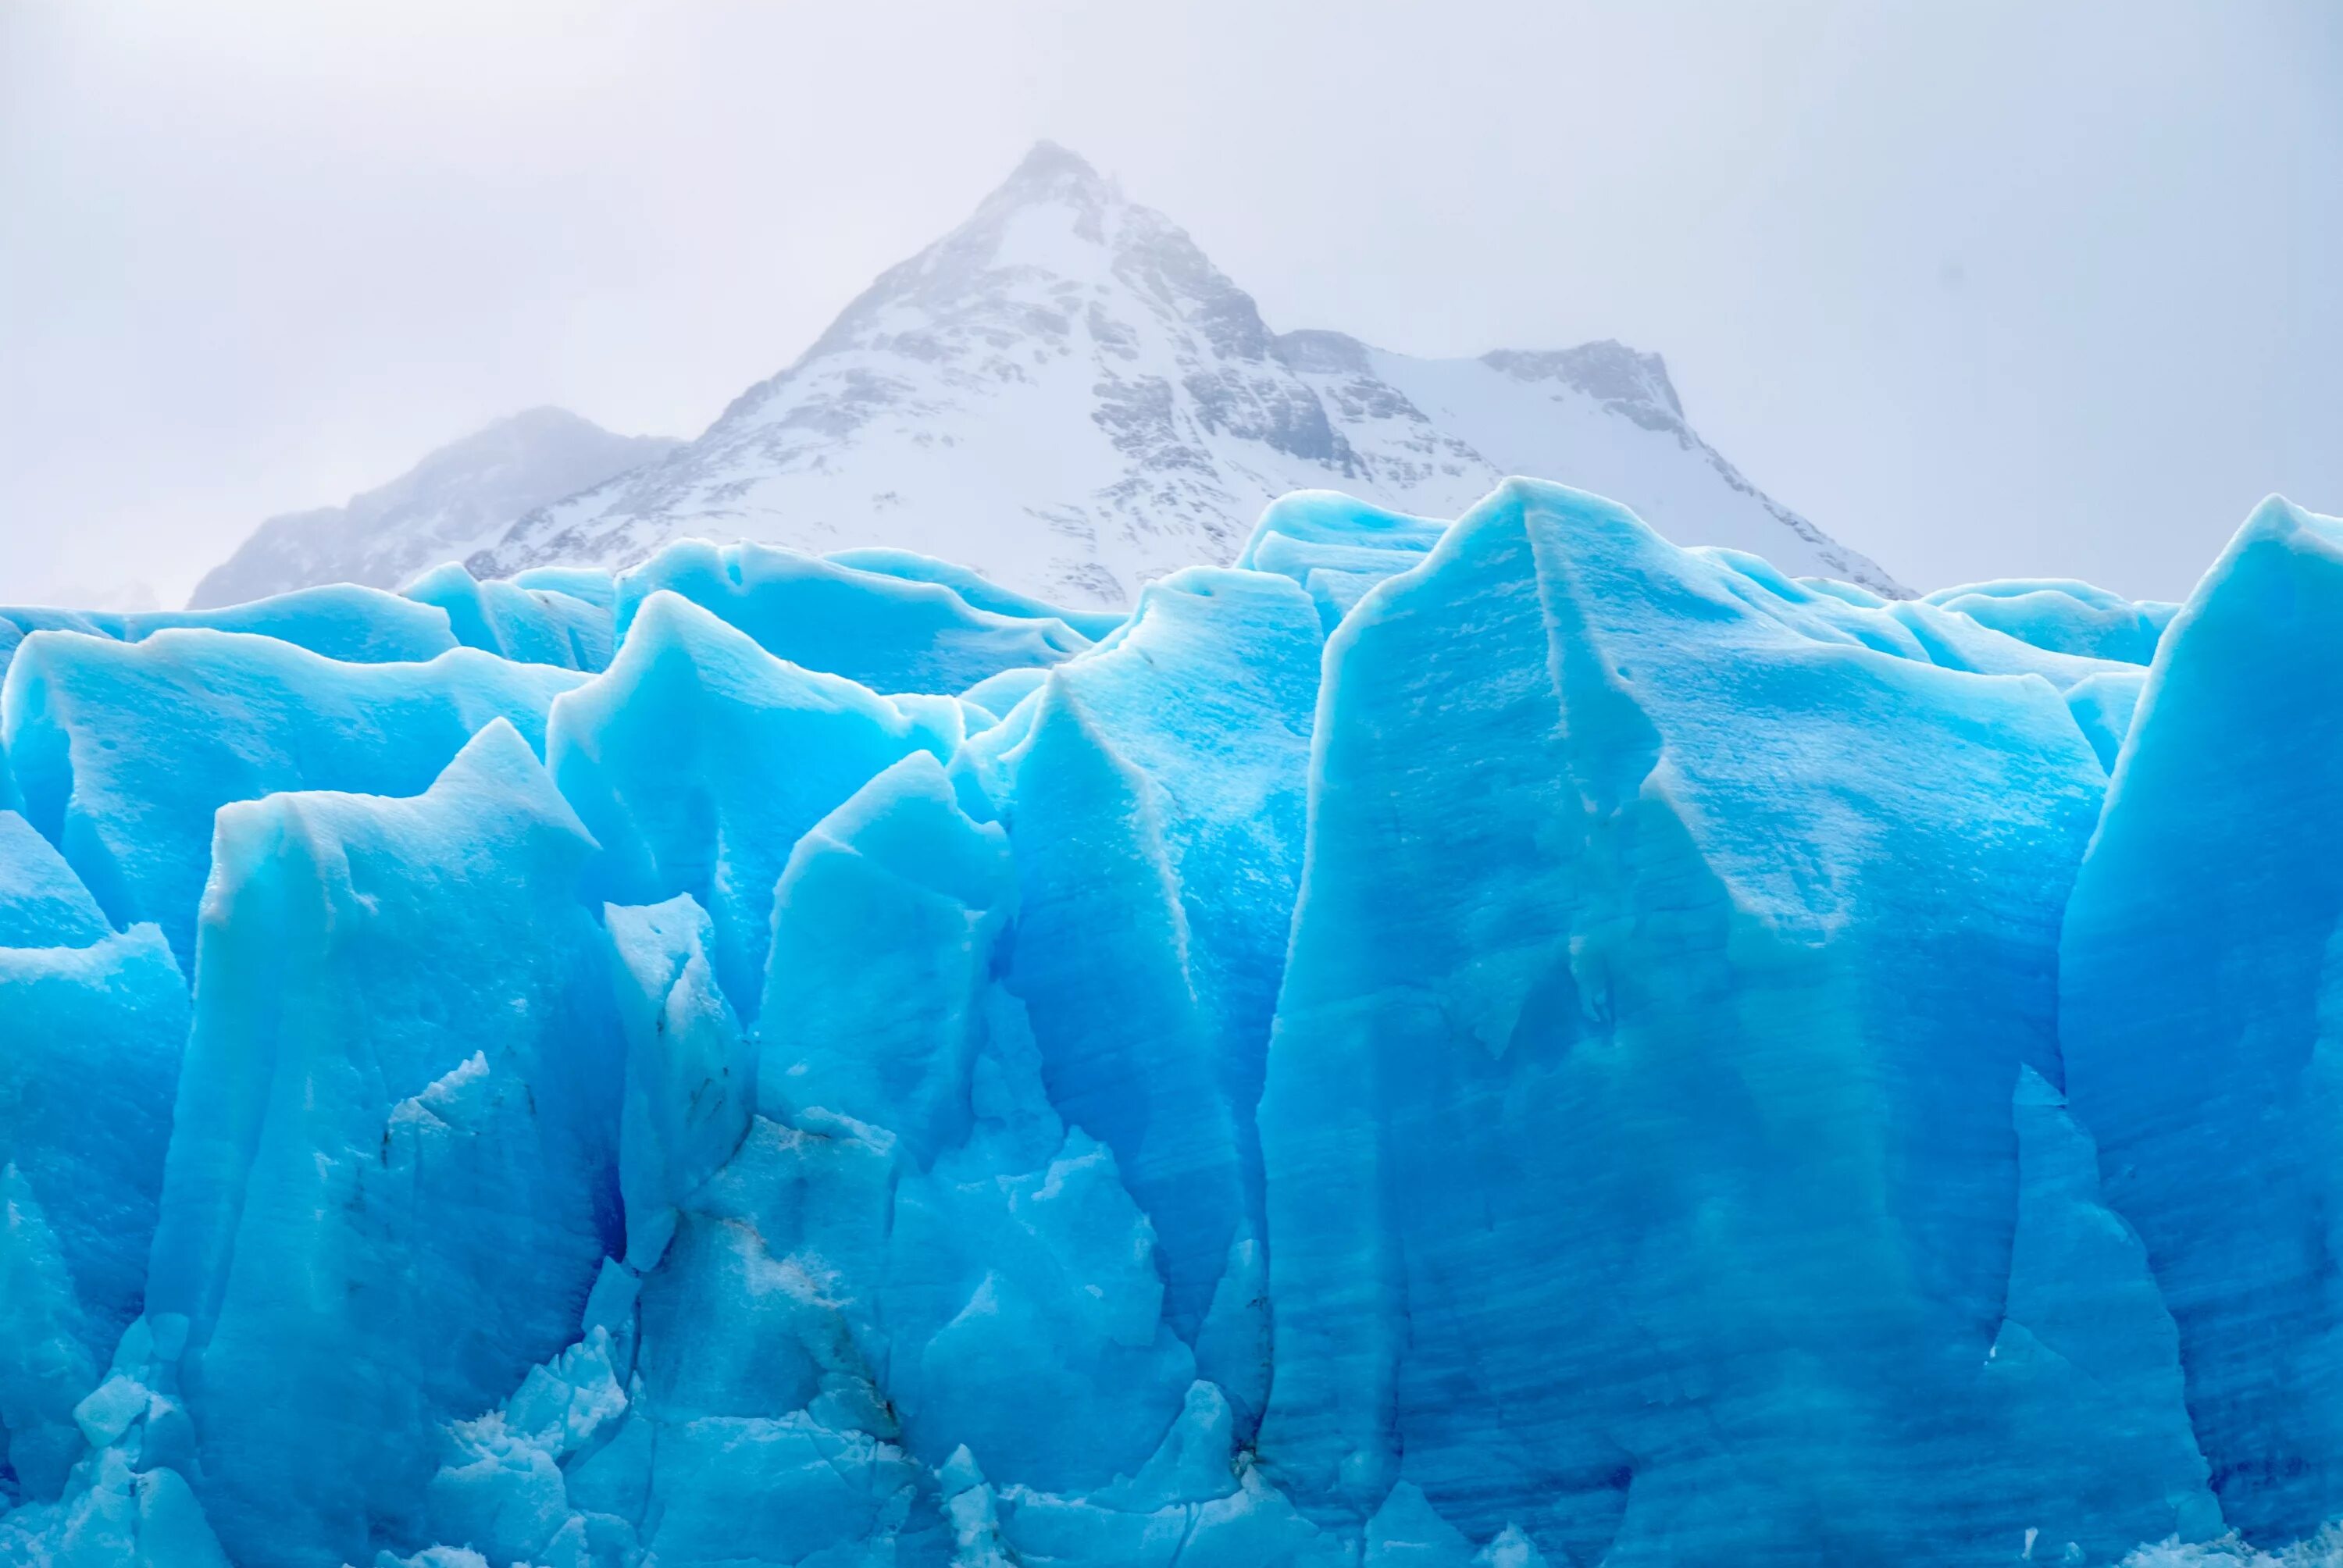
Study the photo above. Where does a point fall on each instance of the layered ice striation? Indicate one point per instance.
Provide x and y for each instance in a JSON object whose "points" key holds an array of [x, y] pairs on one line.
{"points": [[1466, 1045]]}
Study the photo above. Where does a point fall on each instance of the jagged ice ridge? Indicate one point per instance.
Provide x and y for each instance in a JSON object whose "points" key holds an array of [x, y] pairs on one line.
{"points": [[1502, 1042]]}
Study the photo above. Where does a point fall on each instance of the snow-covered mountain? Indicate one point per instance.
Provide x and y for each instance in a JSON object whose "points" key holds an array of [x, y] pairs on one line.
{"points": [[1065, 394], [460, 498]]}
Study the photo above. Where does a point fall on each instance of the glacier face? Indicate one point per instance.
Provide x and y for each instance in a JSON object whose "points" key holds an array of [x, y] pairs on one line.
{"points": [[1495, 1043], [1065, 393]]}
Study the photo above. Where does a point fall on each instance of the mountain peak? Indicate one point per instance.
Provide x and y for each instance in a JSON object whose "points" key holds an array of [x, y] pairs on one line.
{"points": [[1050, 164], [1048, 177], [1066, 395]]}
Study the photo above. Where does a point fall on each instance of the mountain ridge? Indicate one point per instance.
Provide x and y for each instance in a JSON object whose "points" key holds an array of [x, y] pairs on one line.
{"points": [[1064, 393], [458, 494]]}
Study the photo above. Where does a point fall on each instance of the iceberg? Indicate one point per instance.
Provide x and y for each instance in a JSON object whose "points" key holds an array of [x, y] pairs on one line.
{"points": [[1491, 1043]]}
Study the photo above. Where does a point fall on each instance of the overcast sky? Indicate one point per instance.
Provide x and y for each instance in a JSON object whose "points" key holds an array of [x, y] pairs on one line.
{"points": [[1984, 289]]}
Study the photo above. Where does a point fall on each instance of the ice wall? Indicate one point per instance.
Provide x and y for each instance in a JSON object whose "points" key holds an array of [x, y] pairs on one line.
{"points": [[1495, 1043]]}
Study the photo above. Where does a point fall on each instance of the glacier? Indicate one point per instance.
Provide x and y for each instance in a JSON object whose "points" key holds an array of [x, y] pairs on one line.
{"points": [[1470, 1044]]}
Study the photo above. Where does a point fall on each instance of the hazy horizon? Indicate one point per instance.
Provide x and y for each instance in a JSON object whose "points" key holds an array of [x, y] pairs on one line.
{"points": [[1999, 292]]}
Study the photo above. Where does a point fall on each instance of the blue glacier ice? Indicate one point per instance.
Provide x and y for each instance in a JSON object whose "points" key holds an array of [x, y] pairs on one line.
{"points": [[698, 759], [977, 591], [1491, 1043], [570, 626], [378, 1210], [1336, 548], [2065, 617], [887, 629], [1661, 898], [122, 753], [2200, 994], [362, 624], [96, 1022]]}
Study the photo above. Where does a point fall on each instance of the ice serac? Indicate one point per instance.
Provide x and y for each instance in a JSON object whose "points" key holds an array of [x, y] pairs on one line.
{"points": [[1646, 1178], [806, 1361], [361, 624], [896, 1049], [2087, 1343], [94, 1025], [2103, 706], [42, 903], [390, 1179], [698, 759], [1007, 1230], [2065, 617], [692, 1071], [1155, 794], [1336, 548], [888, 631], [122, 751], [976, 588], [2200, 996], [593, 585], [533, 625]]}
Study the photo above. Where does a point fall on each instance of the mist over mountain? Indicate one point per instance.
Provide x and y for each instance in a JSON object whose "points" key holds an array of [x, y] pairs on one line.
{"points": [[1065, 394], [445, 506]]}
